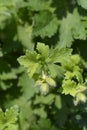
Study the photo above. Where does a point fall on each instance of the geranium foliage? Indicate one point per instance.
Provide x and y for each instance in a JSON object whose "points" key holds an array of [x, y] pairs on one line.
{"points": [[43, 64]]}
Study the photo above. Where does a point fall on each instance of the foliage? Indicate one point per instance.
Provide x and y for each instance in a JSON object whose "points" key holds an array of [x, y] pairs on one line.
{"points": [[9, 118], [43, 64]]}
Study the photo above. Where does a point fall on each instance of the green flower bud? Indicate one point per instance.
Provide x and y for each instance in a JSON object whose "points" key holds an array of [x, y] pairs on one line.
{"points": [[81, 97], [44, 88], [50, 81], [38, 83]]}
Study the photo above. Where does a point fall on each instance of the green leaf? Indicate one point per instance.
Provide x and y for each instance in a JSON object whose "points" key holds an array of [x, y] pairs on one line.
{"points": [[74, 75], [76, 59], [71, 28], [48, 99], [26, 112], [44, 124], [45, 24], [25, 36], [7, 76], [4, 16], [69, 87], [78, 76], [58, 55], [29, 58], [11, 114], [32, 69], [12, 127], [1, 119], [43, 50], [82, 3], [58, 102], [7, 3], [38, 5], [5, 85], [40, 112], [30, 62], [9, 119], [27, 86], [55, 70], [12, 3]]}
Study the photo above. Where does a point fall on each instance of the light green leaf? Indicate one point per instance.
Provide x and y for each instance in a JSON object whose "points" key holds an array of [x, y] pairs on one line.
{"points": [[82, 3], [48, 99], [5, 86], [4, 16], [76, 59], [13, 3], [58, 102], [12, 127], [58, 55], [8, 119], [74, 75], [11, 114], [69, 87], [78, 76], [7, 3], [55, 70], [43, 50], [27, 86], [7, 76], [71, 28], [29, 61], [1, 119], [44, 124], [32, 69], [25, 36], [38, 5]]}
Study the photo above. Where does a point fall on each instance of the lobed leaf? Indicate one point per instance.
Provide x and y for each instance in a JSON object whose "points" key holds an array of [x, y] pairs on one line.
{"points": [[38, 5], [71, 28], [60, 55], [82, 3], [69, 87], [45, 24], [43, 50], [11, 114]]}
